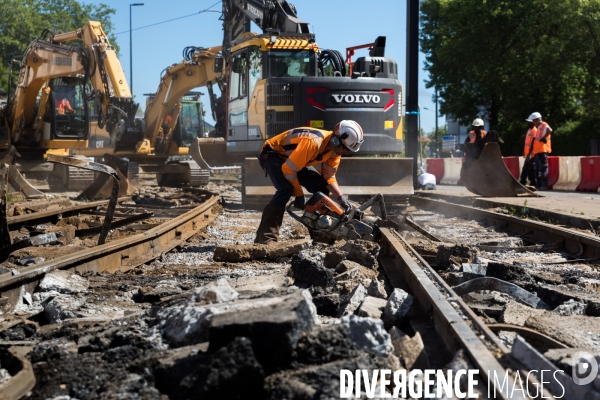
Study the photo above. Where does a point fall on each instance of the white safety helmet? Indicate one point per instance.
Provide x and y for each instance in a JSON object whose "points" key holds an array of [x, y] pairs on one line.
{"points": [[534, 115], [350, 133], [477, 122]]}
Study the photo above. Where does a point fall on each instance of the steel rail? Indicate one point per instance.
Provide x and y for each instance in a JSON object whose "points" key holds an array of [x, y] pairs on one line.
{"points": [[456, 333], [119, 255], [48, 215], [576, 242]]}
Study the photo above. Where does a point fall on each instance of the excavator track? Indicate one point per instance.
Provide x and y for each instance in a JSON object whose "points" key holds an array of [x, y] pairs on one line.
{"points": [[67, 178], [194, 176]]}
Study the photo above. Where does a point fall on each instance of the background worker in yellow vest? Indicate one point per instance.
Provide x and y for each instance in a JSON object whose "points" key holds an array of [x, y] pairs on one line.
{"points": [[528, 171], [286, 157], [541, 148]]}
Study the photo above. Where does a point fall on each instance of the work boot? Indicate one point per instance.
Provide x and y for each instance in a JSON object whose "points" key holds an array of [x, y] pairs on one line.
{"points": [[268, 230]]}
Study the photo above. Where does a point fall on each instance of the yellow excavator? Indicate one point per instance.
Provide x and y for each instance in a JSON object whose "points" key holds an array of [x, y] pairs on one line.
{"points": [[160, 141], [70, 85]]}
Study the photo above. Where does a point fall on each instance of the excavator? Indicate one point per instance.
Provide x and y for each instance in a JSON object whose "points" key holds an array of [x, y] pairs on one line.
{"points": [[281, 79], [161, 145], [70, 85]]}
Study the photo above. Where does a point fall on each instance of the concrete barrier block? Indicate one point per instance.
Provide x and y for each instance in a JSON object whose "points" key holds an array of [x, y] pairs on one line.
{"points": [[452, 167], [569, 173]]}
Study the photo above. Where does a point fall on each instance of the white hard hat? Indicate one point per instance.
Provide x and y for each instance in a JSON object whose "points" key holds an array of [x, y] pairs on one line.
{"points": [[534, 115], [350, 133], [477, 122]]}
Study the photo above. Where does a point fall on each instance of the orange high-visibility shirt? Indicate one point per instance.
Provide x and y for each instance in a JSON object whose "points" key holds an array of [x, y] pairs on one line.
{"points": [[473, 135], [531, 133], [305, 147], [539, 147]]}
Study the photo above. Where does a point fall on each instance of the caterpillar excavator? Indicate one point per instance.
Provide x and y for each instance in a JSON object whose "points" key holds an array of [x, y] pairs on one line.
{"points": [[161, 144], [279, 79], [70, 85]]}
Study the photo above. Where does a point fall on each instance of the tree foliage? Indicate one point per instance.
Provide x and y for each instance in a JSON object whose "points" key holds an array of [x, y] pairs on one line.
{"points": [[21, 21], [505, 59]]}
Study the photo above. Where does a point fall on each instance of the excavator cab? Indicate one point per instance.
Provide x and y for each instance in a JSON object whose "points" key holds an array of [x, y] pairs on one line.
{"points": [[66, 114]]}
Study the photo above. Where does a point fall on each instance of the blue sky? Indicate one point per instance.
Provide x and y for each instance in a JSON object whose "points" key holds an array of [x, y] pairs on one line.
{"points": [[337, 24]]}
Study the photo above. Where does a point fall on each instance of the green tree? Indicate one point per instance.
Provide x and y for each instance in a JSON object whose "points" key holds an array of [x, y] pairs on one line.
{"points": [[506, 59], [21, 21]]}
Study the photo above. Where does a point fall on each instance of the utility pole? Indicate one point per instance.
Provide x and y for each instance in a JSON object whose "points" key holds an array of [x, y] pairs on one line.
{"points": [[437, 141], [412, 83]]}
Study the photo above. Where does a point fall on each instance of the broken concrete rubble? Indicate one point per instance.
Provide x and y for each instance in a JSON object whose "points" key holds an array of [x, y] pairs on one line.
{"points": [[362, 251], [346, 265], [411, 352], [274, 330], [353, 301], [377, 289], [371, 307], [307, 267], [63, 282], [61, 308], [248, 252], [397, 307], [215, 292], [368, 334], [153, 294], [334, 257]]}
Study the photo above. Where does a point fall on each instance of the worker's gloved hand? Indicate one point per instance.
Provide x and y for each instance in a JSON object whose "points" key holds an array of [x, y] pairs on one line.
{"points": [[544, 141], [344, 203], [299, 202]]}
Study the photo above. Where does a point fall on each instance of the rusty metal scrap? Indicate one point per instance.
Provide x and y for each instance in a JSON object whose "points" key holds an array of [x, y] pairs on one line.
{"points": [[489, 283], [103, 169]]}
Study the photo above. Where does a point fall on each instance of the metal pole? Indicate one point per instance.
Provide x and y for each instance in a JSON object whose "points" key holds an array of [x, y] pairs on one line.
{"points": [[437, 142], [412, 83], [131, 48]]}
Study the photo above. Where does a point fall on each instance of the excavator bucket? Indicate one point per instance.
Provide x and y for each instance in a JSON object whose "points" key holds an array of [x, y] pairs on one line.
{"points": [[488, 176]]}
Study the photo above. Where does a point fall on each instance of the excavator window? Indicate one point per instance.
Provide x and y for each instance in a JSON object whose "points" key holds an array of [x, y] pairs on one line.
{"points": [[70, 111], [292, 63]]}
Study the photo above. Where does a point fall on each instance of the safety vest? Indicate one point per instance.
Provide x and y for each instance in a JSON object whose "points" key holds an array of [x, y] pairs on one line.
{"points": [[473, 135], [305, 147], [539, 147], [529, 141]]}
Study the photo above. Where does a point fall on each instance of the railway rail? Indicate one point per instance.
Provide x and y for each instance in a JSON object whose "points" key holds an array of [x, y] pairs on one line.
{"points": [[456, 322]]}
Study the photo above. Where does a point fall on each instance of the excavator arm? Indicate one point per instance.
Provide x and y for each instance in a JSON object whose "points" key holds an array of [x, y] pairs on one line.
{"points": [[277, 15], [202, 69]]}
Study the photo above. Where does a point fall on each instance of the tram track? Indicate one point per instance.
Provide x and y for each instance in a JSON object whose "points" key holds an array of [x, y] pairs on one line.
{"points": [[458, 326]]}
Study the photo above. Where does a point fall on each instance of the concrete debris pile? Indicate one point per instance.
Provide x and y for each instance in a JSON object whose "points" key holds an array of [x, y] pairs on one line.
{"points": [[508, 283]]}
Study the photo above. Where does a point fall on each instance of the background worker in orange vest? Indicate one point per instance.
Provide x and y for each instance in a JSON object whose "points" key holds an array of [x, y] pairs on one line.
{"points": [[477, 132], [528, 171], [541, 148], [285, 159]]}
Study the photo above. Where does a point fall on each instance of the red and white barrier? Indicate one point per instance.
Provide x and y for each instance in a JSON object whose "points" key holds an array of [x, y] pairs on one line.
{"points": [[512, 164], [569, 173], [435, 166], [452, 167], [564, 173], [590, 174]]}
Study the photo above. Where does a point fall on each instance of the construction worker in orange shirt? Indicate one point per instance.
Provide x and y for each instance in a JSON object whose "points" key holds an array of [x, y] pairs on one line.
{"points": [[541, 148], [528, 171], [286, 158]]}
